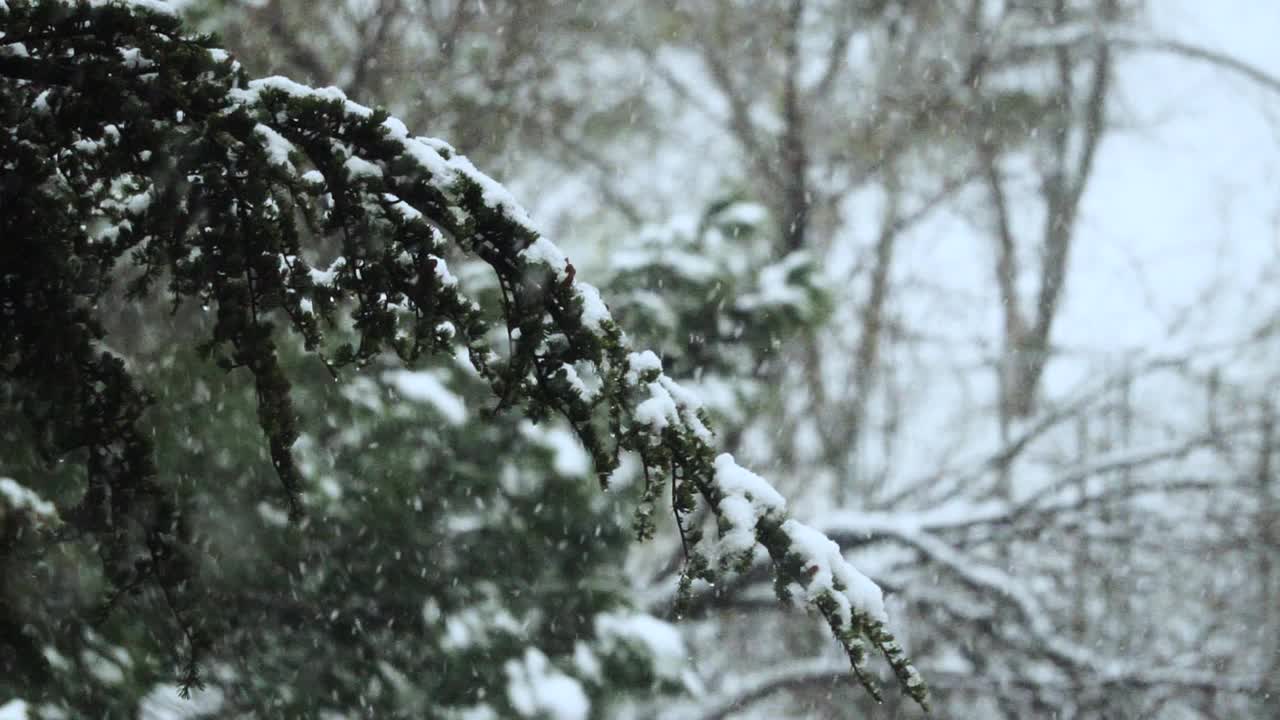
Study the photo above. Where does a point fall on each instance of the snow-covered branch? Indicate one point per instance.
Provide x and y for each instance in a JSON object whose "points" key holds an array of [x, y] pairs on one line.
{"points": [[264, 162]]}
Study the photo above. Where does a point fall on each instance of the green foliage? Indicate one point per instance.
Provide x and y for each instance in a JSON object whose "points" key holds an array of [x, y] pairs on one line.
{"points": [[136, 157], [666, 280]]}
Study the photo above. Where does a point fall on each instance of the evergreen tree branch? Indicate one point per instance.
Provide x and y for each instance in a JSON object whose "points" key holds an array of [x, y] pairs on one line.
{"points": [[237, 148]]}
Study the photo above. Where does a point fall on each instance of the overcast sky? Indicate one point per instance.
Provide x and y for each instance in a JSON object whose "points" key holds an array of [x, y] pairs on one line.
{"points": [[1189, 196]]}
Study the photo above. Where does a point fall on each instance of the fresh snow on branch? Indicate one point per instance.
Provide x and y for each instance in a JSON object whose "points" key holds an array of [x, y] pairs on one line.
{"points": [[18, 498], [355, 170]]}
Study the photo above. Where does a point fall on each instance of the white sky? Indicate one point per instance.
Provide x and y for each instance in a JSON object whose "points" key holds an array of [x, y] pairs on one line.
{"points": [[1189, 196]]}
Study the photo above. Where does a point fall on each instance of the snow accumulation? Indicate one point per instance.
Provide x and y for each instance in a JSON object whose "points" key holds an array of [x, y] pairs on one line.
{"points": [[21, 498], [271, 515], [748, 498], [156, 6], [103, 669], [442, 272], [594, 312], [678, 262], [474, 712], [690, 404], [569, 458], [659, 411], [545, 252], [829, 572], [661, 640], [407, 211], [744, 213], [278, 148], [298, 90], [775, 287], [16, 709], [88, 147], [734, 479], [583, 378], [669, 404], [134, 59], [495, 194], [326, 277], [424, 386], [475, 626], [428, 155], [41, 104], [586, 662], [358, 167], [437, 144], [639, 363], [538, 689], [165, 702]]}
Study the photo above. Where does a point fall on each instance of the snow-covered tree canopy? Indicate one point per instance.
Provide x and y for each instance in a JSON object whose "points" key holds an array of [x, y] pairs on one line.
{"points": [[138, 159]]}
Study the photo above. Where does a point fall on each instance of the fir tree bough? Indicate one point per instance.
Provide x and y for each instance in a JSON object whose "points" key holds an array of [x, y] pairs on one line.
{"points": [[133, 154]]}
